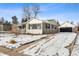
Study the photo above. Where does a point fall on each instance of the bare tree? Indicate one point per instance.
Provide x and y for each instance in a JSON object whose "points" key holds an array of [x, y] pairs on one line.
{"points": [[30, 11], [2, 20], [26, 12], [72, 22], [58, 23], [14, 20], [36, 10], [23, 20]]}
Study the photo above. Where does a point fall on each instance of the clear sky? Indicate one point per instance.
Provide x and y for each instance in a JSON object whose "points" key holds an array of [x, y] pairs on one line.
{"points": [[61, 12]]}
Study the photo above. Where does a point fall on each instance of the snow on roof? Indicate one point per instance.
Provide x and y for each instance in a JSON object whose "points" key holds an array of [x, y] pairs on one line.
{"points": [[67, 24]]}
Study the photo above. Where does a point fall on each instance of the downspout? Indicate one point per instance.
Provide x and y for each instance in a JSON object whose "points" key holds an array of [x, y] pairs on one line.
{"points": [[42, 27]]}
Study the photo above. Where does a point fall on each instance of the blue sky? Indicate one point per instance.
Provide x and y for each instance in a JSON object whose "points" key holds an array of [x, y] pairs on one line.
{"points": [[61, 12]]}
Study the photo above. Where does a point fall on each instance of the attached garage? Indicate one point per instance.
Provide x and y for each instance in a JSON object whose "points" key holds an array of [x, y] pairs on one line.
{"points": [[66, 27]]}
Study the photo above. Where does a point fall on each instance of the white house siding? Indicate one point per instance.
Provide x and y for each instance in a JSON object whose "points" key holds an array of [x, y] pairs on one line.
{"points": [[35, 31]]}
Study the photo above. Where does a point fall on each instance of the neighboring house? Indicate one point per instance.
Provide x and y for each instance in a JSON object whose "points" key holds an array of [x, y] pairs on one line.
{"points": [[36, 26], [67, 27], [54, 22], [1, 26], [5, 27]]}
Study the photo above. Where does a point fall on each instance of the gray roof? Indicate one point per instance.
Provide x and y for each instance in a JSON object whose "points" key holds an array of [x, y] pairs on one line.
{"points": [[53, 21]]}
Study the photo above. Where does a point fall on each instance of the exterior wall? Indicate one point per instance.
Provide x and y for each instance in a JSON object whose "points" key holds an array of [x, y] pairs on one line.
{"points": [[35, 31], [48, 31]]}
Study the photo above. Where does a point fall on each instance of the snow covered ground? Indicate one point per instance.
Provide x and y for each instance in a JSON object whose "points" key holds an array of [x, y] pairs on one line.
{"points": [[21, 39], [2, 54], [52, 46]]}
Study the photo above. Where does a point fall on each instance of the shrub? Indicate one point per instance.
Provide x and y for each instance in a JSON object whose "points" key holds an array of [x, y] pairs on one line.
{"points": [[13, 42]]}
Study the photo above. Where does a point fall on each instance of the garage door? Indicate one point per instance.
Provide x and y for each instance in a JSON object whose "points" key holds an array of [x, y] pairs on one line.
{"points": [[66, 29]]}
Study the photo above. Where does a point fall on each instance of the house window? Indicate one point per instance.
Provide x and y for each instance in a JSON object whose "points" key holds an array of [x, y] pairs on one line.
{"points": [[52, 26], [20, 27], [47, 26], [34, 26]]}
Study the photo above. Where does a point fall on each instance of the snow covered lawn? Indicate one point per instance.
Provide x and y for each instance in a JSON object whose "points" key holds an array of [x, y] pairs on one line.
{"points": [[53, 46], [21, 39]]}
